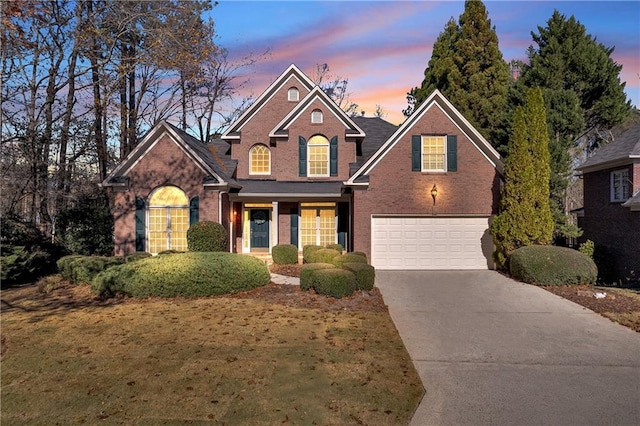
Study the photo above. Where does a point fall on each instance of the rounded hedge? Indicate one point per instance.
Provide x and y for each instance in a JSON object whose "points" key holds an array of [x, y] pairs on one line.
{"points": [[323, 256], [360, 253], [285, 254], [307, 273], [183, 274], [551, 265], [365, 275], [133, 257], [348, 258], [336, 247], [334, 282], [207, 236], [308, 251]]}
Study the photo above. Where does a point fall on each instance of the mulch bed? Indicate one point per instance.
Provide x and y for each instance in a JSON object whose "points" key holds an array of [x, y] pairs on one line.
{"points": [[288, 270]]}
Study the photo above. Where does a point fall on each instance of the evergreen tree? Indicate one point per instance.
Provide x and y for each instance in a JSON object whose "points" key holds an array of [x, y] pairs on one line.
{"points": [[468, 68], [538, 137], [583, 93], [525, 217]]}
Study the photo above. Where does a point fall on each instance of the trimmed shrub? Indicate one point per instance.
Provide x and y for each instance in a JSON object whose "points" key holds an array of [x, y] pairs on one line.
{"points": [[207, 236], [134, 257], [348, 258], [285, 254], [308, 251], [323, 256], [360, 253], [336, 247], [307, 273], [82, 269], [183, 274], [365, 275], [551, 265], [334, 282], [163, 252]]}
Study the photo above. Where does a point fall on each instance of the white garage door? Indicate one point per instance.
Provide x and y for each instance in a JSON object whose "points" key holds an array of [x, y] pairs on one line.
{"points": [[431, 243]]}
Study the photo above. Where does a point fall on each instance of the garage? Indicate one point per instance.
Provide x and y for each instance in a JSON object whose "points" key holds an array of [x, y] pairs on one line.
{"points": [[430, 242]]}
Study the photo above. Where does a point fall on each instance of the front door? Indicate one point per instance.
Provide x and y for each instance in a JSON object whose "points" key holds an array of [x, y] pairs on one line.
{"points": [[259, 228]]}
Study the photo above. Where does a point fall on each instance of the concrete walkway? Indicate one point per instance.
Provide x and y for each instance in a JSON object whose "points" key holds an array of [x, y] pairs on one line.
{"points": [[283, 279], [492, 351]]}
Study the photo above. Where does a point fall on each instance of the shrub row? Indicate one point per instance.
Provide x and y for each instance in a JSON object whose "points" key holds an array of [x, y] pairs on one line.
{"points": [[330, 273], [183, 274], [81, 269], [552, 265]]}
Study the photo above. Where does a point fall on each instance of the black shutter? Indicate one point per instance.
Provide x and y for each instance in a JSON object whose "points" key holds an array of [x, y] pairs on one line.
{"points": [[294, 226], [333, 156], [140, 224], [452, 153], [194, 210], [302, 155], [416, 153]]}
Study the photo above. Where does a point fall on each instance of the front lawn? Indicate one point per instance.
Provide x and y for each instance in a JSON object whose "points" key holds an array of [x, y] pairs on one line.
{"points": [[254, 358]]}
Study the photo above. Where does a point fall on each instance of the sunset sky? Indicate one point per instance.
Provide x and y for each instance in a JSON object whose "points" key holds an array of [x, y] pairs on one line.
{"points": [[383, 47]]}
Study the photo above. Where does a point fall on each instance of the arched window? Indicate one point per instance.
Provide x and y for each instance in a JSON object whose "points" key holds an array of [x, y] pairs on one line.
{"points": [[293, 94], [168, 219], [318, 156], [259, 160], [316, 116]]}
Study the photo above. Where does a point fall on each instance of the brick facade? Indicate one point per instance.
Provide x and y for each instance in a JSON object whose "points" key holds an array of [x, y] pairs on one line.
{"points": [[614, 229], [394, 189], [164, 164]]}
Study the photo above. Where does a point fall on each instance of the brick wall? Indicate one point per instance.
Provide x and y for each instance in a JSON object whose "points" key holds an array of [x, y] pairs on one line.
{"points": [[613, 228], [284, 154], [164, 164], [395, 189]]}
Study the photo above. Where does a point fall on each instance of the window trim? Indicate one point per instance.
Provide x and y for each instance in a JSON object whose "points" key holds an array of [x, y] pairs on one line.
{"points": [[625, 190], [251, 160], [293, 91], [317, 117], [328, 155], [443, 138]]}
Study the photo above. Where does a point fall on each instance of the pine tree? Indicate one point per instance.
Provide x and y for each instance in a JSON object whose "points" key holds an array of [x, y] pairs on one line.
{"points": [[583, 93], [468, 68], [525, 217]]}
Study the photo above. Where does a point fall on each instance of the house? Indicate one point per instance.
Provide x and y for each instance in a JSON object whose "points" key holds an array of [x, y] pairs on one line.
{"points": [[612, 204], [295, 169]]}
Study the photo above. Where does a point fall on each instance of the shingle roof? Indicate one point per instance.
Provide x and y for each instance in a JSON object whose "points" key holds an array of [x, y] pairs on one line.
{"points": [[220, 162], [633, 202], [267, 187], [625, 147], [377, 131]]}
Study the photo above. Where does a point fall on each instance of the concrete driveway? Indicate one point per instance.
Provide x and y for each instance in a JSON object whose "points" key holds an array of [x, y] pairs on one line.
{"points": [[490, 350]]}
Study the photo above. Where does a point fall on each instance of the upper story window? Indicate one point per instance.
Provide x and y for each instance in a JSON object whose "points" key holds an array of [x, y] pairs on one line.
{"points": [[318, 156], [293, 94], [259, 160], [620, 185], [316, 116], [434, 151]]}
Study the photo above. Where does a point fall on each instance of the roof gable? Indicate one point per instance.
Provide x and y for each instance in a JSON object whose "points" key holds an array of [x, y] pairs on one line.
{"points": [[263, 99], [435, 100], [316, 94], [622, 150], [193, 148]]}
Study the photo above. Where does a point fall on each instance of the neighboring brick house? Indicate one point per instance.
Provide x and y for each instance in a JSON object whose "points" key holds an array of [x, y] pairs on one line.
{"points": [[612, 203], [294, 168]]}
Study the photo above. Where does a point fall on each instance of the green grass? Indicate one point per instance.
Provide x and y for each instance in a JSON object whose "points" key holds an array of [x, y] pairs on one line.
{"points": [[224, 360]]}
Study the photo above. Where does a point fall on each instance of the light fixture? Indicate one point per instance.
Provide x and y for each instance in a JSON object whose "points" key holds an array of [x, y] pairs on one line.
{"points": [[434, 193]]}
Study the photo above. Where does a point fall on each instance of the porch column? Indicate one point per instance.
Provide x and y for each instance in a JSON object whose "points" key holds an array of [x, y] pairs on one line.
{"points": [[274, 224]]}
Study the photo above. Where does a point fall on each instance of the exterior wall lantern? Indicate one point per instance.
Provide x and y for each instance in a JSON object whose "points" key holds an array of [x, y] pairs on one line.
{"points": [[434, 193]]}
